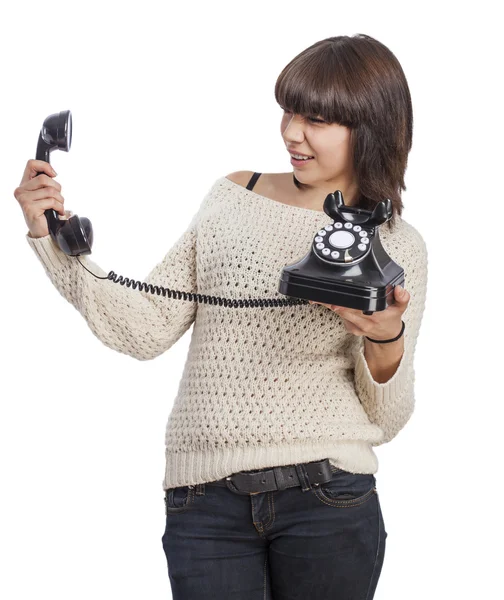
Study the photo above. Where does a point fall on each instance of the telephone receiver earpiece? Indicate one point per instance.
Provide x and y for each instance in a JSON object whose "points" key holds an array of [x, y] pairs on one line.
{"points": [[74, 236]]}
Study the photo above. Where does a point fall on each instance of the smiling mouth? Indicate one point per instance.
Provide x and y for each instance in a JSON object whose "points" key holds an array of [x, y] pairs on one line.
{"points": [[302, 159]]}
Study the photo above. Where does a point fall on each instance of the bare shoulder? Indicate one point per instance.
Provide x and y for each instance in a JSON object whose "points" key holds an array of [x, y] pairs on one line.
{"points": [[240, 177], [270, 184]]}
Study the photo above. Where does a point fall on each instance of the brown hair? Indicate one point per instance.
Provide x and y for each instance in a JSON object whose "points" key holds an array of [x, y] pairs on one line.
{"points": [[357, 82]]}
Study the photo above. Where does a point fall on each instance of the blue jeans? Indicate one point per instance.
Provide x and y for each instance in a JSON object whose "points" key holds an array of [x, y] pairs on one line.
{"points": [[325, 541]]}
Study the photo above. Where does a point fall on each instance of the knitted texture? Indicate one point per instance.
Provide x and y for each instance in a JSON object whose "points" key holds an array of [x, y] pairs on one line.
{"points": [[261, 386]]}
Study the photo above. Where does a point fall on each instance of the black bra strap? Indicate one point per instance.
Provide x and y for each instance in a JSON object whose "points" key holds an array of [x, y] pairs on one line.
{"points": [[253, 180]]}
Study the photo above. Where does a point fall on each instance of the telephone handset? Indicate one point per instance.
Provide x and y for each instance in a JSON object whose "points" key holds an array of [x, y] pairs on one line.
{"points": [[346, 264]]}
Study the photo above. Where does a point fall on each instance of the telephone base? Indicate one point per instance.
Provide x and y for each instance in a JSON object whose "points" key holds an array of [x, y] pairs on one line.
{"points": [[349, 292]]}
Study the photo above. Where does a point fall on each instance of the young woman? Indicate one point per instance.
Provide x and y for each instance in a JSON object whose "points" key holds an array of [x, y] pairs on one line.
{"points": [[269, 484]]}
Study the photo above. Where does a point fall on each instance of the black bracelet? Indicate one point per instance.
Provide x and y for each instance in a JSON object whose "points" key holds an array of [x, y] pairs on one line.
{"points": [[388, 341]]}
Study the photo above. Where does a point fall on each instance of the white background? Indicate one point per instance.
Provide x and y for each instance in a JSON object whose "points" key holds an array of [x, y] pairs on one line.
{"points": [[166, 98]]}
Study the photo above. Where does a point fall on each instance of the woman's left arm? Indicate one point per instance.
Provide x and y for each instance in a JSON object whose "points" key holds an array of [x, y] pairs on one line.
{"points": [[384, 374]]}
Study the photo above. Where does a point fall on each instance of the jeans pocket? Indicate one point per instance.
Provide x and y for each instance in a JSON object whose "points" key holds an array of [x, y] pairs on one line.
{"points": [[346, 489], [178, 499]]}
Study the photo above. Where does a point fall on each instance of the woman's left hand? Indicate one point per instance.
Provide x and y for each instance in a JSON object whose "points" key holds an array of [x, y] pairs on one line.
{"points": [[381, 325]]}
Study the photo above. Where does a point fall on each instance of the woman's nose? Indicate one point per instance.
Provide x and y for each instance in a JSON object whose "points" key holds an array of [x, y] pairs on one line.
{"points": [[294, 130]]}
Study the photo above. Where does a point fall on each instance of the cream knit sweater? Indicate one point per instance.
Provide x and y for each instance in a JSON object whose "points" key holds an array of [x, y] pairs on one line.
{"points": [[261, 387]]}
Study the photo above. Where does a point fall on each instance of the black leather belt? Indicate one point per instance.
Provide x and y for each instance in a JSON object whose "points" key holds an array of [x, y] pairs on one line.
{"points": [[279, 478]]}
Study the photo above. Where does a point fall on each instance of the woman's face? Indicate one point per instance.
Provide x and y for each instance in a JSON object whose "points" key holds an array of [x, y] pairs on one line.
{"points": [[328, 143]]}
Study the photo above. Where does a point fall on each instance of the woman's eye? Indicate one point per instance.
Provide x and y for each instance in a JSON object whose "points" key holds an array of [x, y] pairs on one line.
{"points": [[313, 119]]}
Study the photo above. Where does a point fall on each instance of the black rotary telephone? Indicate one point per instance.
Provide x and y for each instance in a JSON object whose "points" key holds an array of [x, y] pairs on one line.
{"points": [[346, 265]]}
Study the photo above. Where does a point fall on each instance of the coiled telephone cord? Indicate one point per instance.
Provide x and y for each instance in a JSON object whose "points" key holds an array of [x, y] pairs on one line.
{"points": [[202, 298]]}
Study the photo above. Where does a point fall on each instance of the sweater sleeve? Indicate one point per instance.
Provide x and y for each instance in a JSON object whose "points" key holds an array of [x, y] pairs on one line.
{"points": [[128, 320], [390, 405]]}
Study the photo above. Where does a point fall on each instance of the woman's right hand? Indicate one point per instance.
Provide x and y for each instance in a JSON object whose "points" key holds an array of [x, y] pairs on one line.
{"points": [[36, 194]]}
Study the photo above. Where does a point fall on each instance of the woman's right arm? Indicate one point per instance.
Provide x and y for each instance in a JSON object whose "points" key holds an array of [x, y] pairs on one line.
{"points": [[128, 320]]}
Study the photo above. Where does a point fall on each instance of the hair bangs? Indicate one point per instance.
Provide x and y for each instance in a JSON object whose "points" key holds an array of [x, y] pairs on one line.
{"points": [[318, 84]]}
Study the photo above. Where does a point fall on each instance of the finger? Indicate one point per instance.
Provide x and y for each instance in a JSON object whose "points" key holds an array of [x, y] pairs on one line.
{"points": [[354, 316], [401, 296], [45, 203], [34, 167], [41, 181], [321, 303]]}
